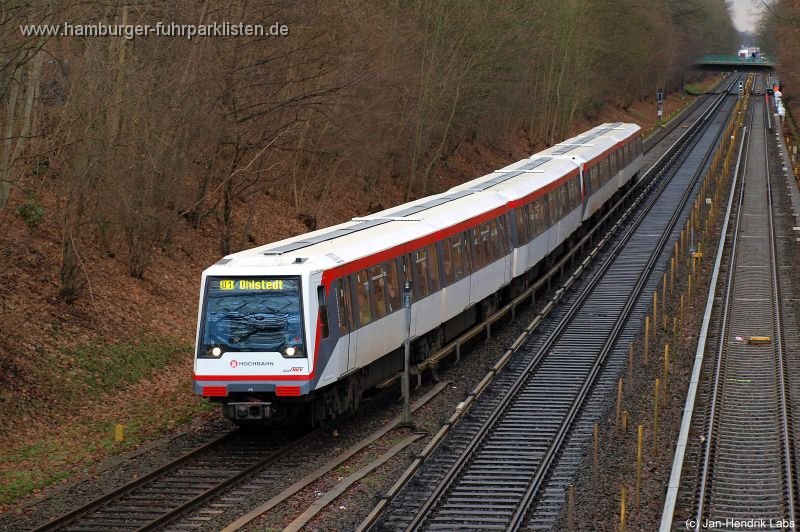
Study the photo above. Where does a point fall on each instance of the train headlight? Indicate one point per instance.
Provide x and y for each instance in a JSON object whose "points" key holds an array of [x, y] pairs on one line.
{"points": [[292, 352], [214, 352]]}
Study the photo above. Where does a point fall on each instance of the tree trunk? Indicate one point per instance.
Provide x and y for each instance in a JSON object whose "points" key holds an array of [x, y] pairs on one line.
{"points": [[11, 151]]}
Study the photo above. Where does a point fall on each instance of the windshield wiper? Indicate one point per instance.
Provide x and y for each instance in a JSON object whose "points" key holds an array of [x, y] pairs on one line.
{"points": [[246, 325]]}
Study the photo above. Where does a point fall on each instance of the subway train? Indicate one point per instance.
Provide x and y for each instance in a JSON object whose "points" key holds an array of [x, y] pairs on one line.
{"points": [[299, 329]]}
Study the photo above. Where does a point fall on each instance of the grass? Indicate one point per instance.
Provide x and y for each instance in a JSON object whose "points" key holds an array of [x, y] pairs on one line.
{"points": [[65, 451], [693, 90], [95, 389], [108, 366]]}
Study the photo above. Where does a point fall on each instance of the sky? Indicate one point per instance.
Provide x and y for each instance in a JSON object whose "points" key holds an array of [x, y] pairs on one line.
{"points": [[746, 13]]}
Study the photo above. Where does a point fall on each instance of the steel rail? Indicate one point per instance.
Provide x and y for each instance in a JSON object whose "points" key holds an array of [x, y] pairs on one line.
{"points": [[714, 432], [705, 473], [694, 381]]}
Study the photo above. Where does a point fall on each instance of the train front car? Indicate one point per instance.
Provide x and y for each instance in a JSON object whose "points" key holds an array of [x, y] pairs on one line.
{"points": [[254, 346]]}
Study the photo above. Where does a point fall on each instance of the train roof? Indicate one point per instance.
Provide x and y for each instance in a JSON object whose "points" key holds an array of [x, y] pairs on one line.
{"points": [[364, 236], [592, 143]]}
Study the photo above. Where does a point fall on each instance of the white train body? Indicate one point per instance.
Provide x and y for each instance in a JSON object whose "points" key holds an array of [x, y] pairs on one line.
{"points": [[316, 319]]}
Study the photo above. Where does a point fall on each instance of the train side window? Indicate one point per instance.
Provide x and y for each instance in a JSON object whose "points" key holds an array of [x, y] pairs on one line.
{"points": [[494, 240], [530, 221], [520, 226], [569, 196], [530, 213], [503, 234], [639, 149], [447, 262], [362, 298], [343, 305], [469, 264], [323, 311], [486, 243], [538, 216], [545, 213], [459, 256], [393, 286], [433, 268], [378, 277], [576, 193], [555, 200], [477, 249], [566, 195], [421, 271]]}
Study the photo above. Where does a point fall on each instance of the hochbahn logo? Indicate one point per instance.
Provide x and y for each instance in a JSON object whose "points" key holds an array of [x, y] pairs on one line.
{"points": [[235, 363]]}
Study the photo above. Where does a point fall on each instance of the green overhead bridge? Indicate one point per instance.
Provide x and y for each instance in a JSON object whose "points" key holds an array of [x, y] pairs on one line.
{"points": [[729, 63]]}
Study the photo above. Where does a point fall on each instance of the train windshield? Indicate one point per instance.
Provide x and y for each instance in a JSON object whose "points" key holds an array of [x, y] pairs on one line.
{"points": [[252, 314]]}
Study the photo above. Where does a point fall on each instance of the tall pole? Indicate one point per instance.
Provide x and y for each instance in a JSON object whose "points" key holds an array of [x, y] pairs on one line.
{"points": [[406, 420], [660, 105]]}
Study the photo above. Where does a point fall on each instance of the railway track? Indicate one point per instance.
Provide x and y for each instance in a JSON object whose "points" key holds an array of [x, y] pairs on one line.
{"points": [[499, 458], [213, 482], [748, 466], [180, 485]]}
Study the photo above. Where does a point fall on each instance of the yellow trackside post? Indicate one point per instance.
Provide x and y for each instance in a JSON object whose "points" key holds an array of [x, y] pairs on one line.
{"points": [[639, 441]]}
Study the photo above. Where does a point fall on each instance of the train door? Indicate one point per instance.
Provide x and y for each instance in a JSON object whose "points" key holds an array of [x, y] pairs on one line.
{"points": [[345, 347], [584, 191]]}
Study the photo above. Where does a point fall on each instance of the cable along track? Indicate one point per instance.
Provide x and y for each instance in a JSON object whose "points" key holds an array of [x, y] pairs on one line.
{"points": [[748, 468], [493, 467]]}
